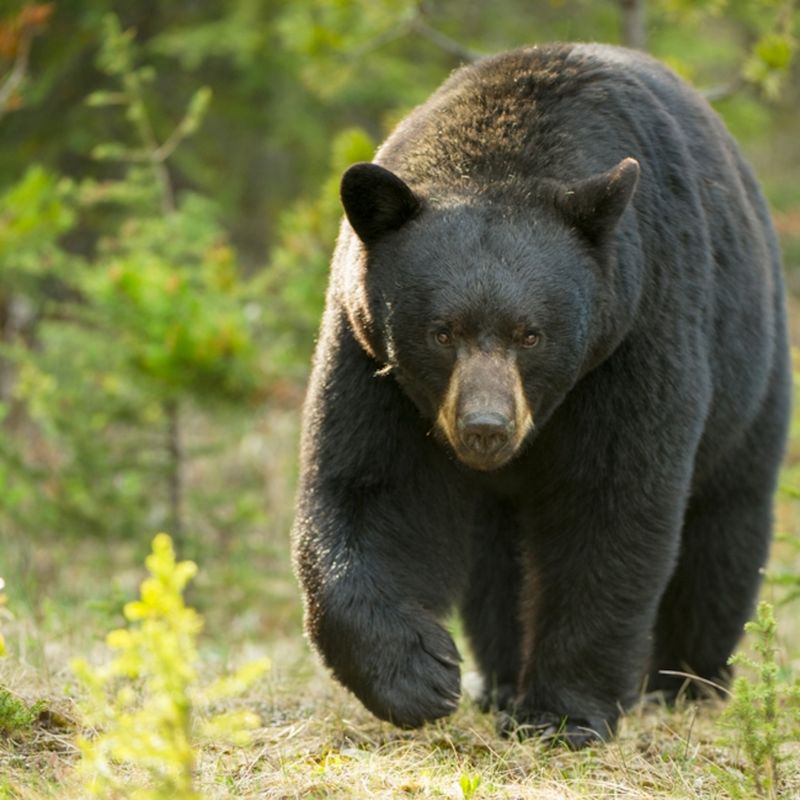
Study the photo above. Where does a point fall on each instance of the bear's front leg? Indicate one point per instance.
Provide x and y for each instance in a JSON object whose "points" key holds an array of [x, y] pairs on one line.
{"points": [[595, 566], [378, 545], [391, 654], [374, 591]]}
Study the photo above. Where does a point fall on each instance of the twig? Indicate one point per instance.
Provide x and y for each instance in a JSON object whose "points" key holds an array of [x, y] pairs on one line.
{"points": [[416, 24], [419, 26], [396, 32], [725, 90], [696, 678], [167, 148], [151, 144], [17, 74]]}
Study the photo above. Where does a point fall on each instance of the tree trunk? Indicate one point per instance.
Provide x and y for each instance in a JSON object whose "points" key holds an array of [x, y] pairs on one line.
{"points": [[634, 33], [175, 473]]}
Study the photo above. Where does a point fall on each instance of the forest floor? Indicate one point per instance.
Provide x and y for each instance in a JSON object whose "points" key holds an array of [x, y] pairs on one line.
{"points": [[314, 739]]}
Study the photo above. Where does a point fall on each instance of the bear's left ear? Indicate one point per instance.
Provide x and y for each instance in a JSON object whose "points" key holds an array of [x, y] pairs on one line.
{"points": [[376, 201], [595, 205]]}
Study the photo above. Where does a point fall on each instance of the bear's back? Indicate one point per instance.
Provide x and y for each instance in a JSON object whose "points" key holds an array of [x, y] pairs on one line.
{"points": [[563, 111]]}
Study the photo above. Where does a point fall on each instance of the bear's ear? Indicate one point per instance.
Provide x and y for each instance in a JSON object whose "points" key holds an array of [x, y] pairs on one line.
{"points": [[376, 201], [594, 205]]}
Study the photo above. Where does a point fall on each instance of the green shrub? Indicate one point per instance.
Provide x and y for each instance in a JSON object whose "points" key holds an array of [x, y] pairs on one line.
{"points": [[147, 705], [762, 712]]}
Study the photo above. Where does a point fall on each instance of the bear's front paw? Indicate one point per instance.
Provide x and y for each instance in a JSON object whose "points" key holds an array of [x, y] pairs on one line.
{"points": [[555, 729], [415, 678]]}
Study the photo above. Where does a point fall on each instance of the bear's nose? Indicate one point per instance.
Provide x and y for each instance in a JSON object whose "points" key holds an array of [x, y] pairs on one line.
{"points": [[485, 432]]}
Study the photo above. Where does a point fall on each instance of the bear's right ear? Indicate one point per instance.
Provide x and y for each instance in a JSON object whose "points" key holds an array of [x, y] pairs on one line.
{"points": [[376, 201], [595, 205]]}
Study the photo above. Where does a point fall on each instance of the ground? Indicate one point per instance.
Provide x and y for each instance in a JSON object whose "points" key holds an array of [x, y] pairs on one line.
{"points": [[314, 739]]}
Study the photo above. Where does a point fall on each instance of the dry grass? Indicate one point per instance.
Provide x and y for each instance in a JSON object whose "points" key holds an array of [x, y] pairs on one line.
{"points": [[343, 753], [317, 741]]}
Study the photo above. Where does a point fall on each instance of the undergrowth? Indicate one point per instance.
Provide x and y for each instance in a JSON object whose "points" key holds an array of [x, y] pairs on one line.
{"points": [[16, 714], [762, 711], [3, 613], [147, 725], [150, 711]]}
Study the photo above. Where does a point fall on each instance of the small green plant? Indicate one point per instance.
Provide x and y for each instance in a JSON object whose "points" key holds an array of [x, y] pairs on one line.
{"points": [[762, 710], [3, 612], [147, 705], [469, 785], [15, 714]]}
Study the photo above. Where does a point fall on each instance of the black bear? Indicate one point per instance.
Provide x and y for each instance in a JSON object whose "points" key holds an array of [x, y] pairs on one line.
{"points": [[551, 390]]}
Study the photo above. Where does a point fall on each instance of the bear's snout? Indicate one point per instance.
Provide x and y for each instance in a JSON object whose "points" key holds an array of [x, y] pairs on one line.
{"points": [[485, 433], [485, 416]]}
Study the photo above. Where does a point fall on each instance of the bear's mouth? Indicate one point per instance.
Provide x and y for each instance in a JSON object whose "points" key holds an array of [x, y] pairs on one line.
{"points": [[485, 463], [485, 440], [480, 458]]}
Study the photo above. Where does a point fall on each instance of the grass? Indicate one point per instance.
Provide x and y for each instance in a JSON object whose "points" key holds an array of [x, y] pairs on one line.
{"points": [[315, 740]]}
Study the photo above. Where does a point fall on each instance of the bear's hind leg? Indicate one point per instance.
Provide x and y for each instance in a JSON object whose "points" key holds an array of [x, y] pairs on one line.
{"points": [[711, 594], [490, 608], [725, 543]]}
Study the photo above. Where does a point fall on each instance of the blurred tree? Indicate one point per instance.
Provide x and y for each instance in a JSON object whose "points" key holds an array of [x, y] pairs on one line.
{"points": [[158, 316], [284, 74], [634, 29], [16, 34]]}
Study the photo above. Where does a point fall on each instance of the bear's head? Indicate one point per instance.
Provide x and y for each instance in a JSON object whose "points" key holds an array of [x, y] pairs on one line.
{"points": [[487, 308]]}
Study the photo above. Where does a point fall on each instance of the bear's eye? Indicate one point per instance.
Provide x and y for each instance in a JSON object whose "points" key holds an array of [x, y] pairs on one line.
{"points": [[443, 337], [530, 339]]}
